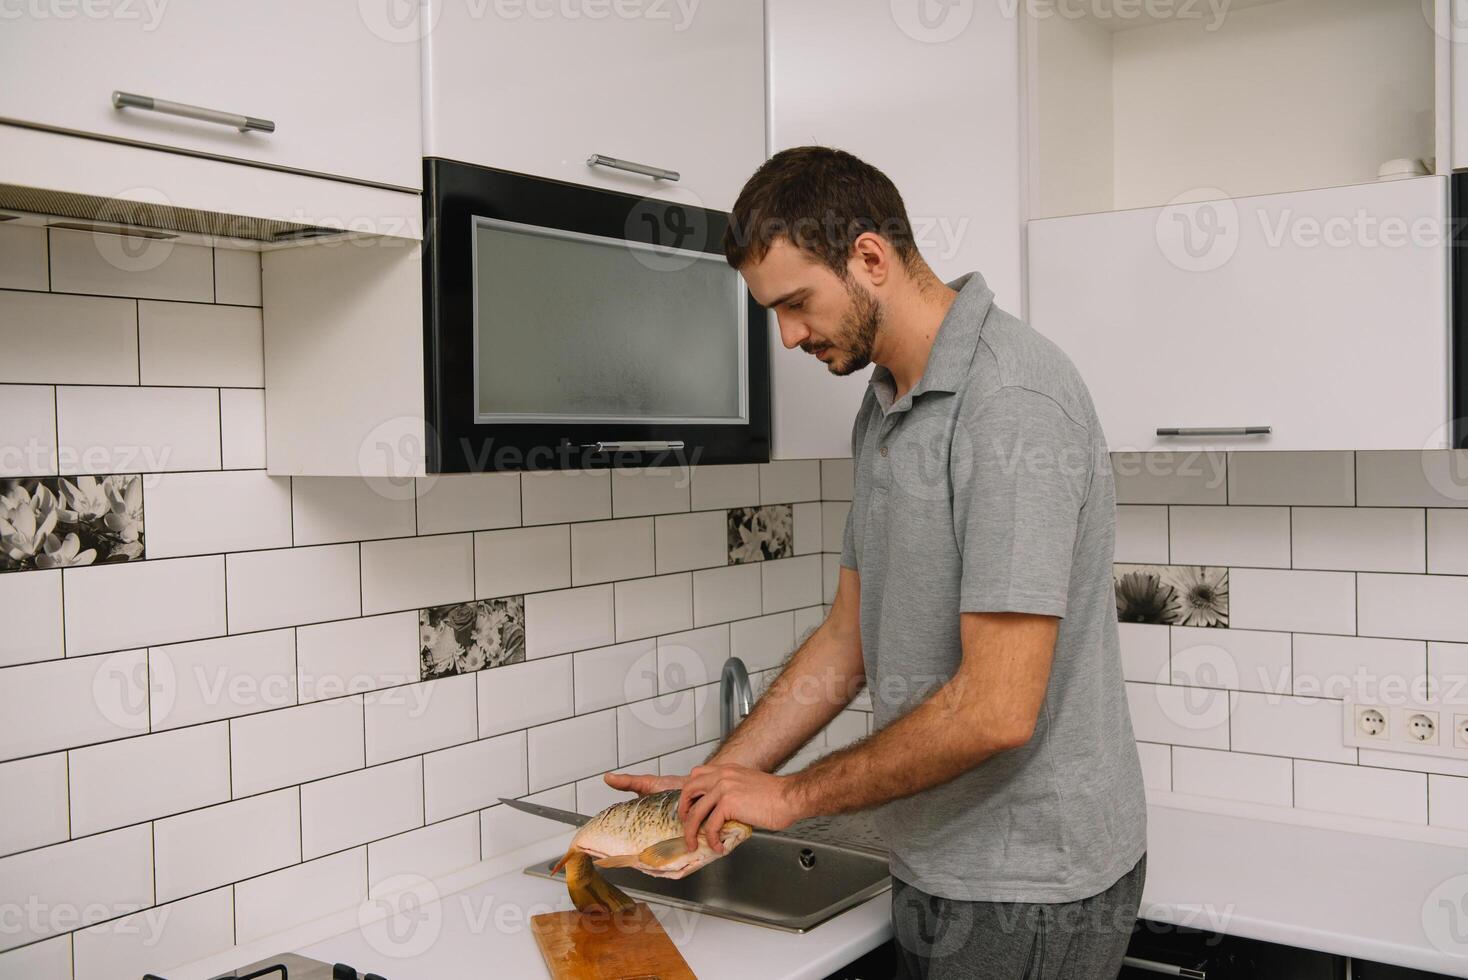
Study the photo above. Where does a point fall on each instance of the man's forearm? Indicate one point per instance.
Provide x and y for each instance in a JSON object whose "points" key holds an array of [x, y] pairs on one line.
{"points": [[820, 679]]}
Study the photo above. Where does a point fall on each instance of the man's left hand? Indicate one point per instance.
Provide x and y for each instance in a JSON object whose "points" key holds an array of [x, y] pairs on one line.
{"points": [[715, 794]]}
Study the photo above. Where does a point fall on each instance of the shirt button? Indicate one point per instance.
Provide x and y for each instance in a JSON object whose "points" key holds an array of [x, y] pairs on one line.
{"points": [[883, 450]]}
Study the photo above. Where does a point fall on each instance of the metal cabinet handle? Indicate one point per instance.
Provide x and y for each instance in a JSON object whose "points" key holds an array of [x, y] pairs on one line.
{"points": [[656, 173], [1167, 969], [633, 447], [130, 100], [1239, 430]]}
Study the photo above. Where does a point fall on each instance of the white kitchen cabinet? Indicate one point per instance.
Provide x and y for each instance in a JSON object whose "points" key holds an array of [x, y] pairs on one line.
{"points": [[339, 82], [538, 89], [1321, 314], [936, 107]]}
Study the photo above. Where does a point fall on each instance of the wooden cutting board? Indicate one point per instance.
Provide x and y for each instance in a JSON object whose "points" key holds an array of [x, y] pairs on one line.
{"points": [[629, 946]]}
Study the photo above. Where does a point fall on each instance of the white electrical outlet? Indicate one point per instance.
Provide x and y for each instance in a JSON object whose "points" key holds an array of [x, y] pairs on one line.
{"points": [[1371, 723], [1415, 727], [1420, 726], [1460, 731]]}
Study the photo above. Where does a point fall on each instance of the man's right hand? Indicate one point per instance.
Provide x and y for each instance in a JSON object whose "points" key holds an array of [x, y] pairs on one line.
{"points": [[643, 783]]}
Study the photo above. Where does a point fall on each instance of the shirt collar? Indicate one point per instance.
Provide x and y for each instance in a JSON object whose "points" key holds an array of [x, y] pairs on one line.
{"points": [[953, 347]]}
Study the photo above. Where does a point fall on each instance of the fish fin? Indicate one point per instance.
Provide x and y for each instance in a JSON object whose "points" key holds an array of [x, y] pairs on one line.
{"points": [[616, 861], [589, 891], [562, 862], [663, 852]]}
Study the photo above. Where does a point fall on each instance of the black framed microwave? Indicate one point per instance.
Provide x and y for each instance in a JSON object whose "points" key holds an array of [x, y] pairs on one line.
{"points": [[569, 326]]}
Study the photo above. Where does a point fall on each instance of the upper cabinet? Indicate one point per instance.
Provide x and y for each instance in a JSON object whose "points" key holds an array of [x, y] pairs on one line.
{"points": [[673, 88], [329, 87]]}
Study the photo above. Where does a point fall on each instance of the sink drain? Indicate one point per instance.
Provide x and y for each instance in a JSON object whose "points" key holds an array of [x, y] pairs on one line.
{"points": [[807, 858]]}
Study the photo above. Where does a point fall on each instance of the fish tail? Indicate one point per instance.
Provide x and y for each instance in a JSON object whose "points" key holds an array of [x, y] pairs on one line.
{"points": [[589, 891]]}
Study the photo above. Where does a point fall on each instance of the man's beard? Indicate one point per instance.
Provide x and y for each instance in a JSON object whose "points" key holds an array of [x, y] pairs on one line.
{"points": [[857, 333]]}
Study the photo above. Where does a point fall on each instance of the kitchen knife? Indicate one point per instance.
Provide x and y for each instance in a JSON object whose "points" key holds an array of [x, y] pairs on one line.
{"points": [[549, 812]]}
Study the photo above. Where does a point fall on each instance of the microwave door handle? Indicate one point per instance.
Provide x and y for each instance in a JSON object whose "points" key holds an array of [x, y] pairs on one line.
{"points": [[634, 447]]}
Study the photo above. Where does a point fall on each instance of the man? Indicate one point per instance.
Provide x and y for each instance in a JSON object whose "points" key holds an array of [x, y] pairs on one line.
{"points": [[975, 603]]}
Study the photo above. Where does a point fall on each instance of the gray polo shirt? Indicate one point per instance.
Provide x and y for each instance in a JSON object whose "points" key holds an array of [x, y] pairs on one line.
{"points": [[988, 488]]}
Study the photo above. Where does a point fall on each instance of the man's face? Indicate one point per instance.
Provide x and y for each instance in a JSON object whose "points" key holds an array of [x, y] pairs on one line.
{"points": [[833, 319]]}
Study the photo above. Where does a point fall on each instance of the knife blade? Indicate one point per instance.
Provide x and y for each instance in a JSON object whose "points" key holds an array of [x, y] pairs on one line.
{"points": [[549, 812]]}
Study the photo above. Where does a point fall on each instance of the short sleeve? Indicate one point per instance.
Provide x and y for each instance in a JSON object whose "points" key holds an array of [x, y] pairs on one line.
{"points": [[1021, 470], [848, 539], [858, 439]]}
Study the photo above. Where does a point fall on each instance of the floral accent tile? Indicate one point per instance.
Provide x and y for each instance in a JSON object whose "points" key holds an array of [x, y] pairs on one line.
{"points": [[470, 636], [1172, 595], [757, 533], [57, 522]]}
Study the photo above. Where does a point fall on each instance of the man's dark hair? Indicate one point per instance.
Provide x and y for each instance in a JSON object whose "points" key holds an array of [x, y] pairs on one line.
{"points": [[821, 200]]}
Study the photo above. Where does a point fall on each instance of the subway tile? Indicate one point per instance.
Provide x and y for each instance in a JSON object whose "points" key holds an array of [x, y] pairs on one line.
{"points": [[567, 750], [1308, 728], [206, 680], [428, 852], [1426, 607], [1232, 776], [110, 607], [1307, 602], [222, 844], [473, 776], [296, 745], [1363, 668], [51, 339], [847, 727], [649, 606], [1361, 539], [568, 619], [654, 727], [274, 902], [35, 795], [614, 675], [30, 607], [706, 718], [23, 263], [808, 528], [237, 276], [593, 795], [807, 621], [137, 430], [142, 778], [728, 593], [688, 541], [837, 479], [833, 525], [604, 551], [242, 428], [681, 762], [1141, 535], [83, 262], [789, 583], [692, 658], [1447, 802], [361, 806], [65, 703], [355, 655], [1414, 762], [518, 560], [642, 491], [156, 939], [1360, 791], [562, 496], [468, 502], [764, 642], [1156, 765], [1170, 478], [503, 828], [331, 509], [289, 586], [1144, 652], [418, 718], [1447, 665], [409, 573], [49, 959], [1243, 660], [1305, 479], [524, 694], [27, 430], [1179, 715], [1412, 478], [1253, 536], [214, 512], [1447, 542], [722, 487], [198, 344], [789, 481], [110, 873]]}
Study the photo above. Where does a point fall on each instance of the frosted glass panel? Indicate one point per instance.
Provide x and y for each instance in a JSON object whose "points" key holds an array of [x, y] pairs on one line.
{"points": [[572, 327]]}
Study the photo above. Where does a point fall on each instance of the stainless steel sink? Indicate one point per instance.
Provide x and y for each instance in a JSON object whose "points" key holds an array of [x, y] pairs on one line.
{"points": [[770, 880]]}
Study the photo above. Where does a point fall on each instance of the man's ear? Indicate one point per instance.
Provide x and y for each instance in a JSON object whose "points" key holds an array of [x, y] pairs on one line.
{"points": [[871, 258]]}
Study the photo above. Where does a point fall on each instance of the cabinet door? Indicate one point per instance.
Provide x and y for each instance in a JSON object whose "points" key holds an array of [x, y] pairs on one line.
{"points": [[341, 88], [533, 89], [1321, 314]]}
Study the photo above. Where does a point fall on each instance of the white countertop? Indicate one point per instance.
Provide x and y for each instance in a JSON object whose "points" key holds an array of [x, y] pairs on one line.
{"points": [[1336, 884]]}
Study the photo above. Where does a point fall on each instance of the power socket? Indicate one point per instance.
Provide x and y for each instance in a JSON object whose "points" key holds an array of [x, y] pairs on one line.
{"points": [[1420, 726], [1414, 727], [1460, 731], [1371, 723]]}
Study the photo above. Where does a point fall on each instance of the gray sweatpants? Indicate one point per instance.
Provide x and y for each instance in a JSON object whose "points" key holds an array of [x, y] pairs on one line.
{"points": [[946, 939]]}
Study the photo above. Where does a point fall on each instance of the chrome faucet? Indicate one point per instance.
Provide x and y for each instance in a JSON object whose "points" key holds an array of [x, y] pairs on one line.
{"points": [[735, 696]]}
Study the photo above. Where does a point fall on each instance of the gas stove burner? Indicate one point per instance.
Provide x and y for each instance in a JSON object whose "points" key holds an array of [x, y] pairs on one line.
{"points": [[289, 966]]}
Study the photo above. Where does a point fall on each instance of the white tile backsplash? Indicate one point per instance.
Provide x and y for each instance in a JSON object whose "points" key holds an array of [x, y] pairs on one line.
{"points": [[418, 718], [1447, 802], [110, 871], [291, 586], [200, 344], [1309, 602], [568, 619], [567, 750], [62, 704], [49, 959], [1428, 607], [604, 551], [160, 939], [237, 277], [110, 607], [1402, 478], [296, 745], [226, 843], [562, 496], [789, 481], [274, 902], [1447, 542], [1308, 728], [1318, 479], [68, 340], [138, 779], [27, 430], [242, 428], [428, 852], [411, 573], [30, 607], [329, 509], [524, 695], [723, 487], [1179, 715], [614, 675], [1253, 536], [728, 593], [651, 490], [1361, 791], [82, 262], [468, 502], [473, 776], [35, 795], [790, 583], [518, 560], [689, 541], [361, 806], [655, 727], [1362, 539], [649, 606], [354, 655], [206, 680], [137, 430], [182, 512], [1238, 659], [23, 261], [1141, 534], [1233, 776]]}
